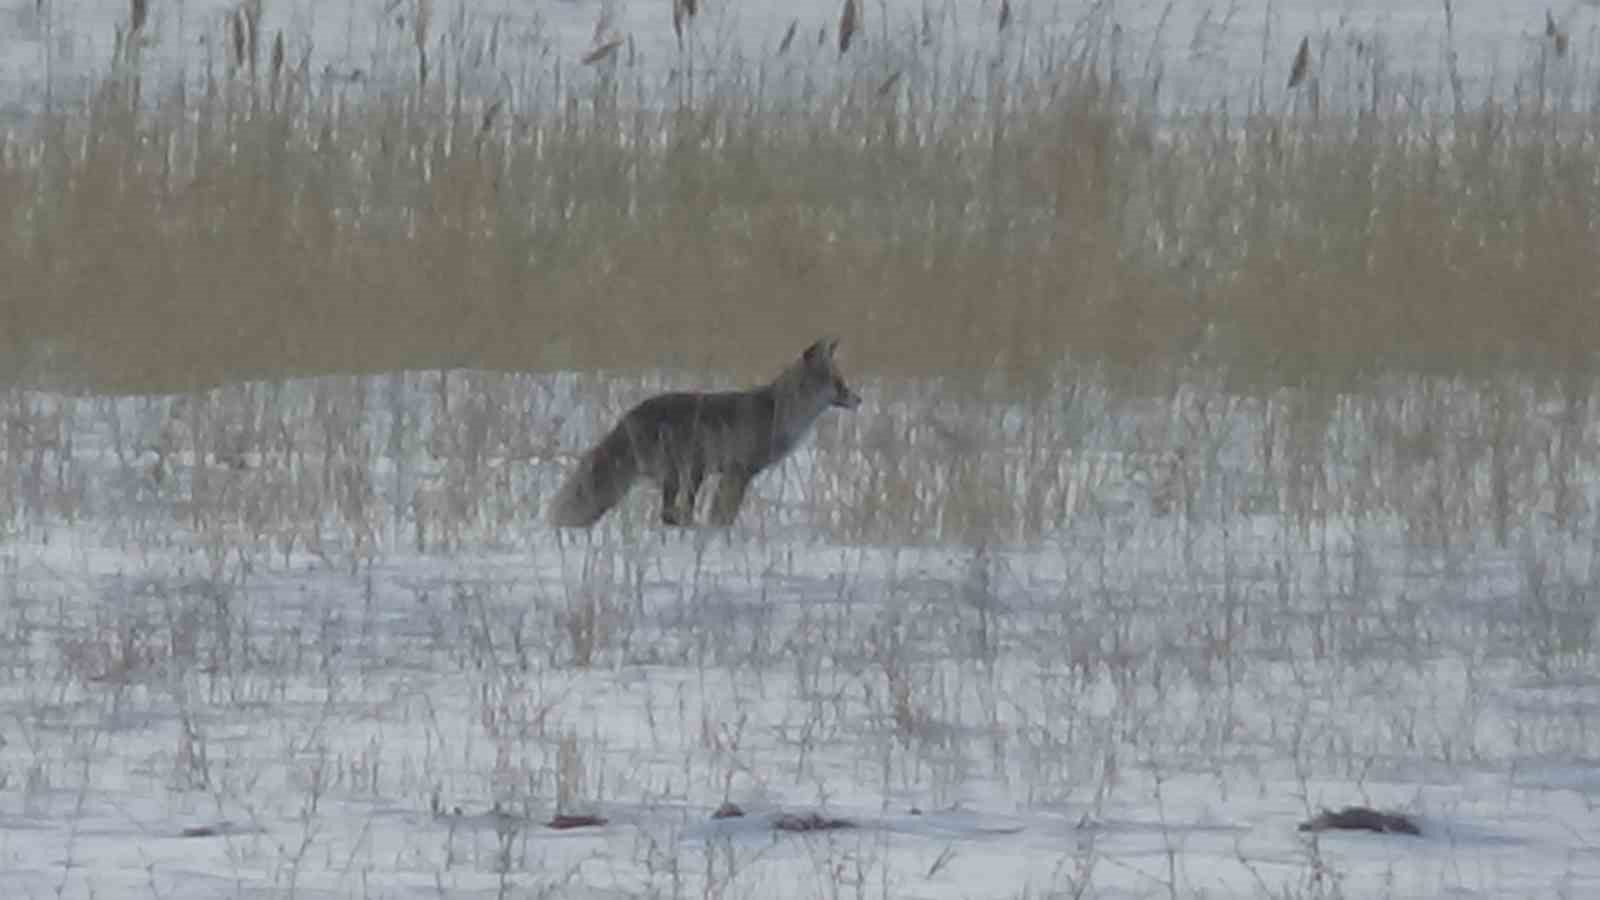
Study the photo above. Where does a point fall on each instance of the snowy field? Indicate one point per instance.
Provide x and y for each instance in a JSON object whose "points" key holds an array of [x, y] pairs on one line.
{"points": [[311, 639]]}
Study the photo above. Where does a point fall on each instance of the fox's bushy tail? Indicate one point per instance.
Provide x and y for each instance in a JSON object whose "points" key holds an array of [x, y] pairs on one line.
{"points": [[603, 476]]}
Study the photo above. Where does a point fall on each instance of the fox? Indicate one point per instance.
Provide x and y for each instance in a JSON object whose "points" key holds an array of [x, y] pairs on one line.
{"points": [[677, 439]]}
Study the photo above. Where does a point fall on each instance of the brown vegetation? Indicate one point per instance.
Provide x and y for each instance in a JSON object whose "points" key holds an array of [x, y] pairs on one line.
{"points": [[162, 238]]}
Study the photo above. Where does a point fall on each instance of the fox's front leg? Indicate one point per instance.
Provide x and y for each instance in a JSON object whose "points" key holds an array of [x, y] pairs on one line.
{"points": [[680, 486], [731, 488]]}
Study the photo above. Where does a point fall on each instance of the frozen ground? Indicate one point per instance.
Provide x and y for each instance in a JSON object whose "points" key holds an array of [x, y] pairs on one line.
{"points": [[311, 639]]}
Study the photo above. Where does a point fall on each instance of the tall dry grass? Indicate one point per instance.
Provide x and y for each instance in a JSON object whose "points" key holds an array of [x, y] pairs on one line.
{"points": [[943, 213]]}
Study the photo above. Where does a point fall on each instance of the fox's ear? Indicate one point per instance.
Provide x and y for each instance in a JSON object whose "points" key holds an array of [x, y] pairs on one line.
{"points": [[822, 350]]}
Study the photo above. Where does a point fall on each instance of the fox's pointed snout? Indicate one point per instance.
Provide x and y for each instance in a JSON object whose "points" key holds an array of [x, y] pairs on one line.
{"points": [[819, 359]]}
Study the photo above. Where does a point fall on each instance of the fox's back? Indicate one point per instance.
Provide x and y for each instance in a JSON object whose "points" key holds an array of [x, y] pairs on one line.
{"points": [[717, 430]]}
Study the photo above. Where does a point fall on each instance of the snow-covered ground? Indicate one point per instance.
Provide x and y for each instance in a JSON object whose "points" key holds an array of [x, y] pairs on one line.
{"points": [[312, 639]]}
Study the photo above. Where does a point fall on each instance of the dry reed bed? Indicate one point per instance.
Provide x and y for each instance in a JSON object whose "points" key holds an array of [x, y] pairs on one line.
{"points": [[944, 213]]}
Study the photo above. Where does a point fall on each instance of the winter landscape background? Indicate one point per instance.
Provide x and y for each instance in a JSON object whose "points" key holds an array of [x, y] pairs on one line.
{"points": [[1228, 449]]}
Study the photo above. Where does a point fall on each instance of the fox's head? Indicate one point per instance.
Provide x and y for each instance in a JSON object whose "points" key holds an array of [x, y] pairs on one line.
{"points": [[823, 375]]}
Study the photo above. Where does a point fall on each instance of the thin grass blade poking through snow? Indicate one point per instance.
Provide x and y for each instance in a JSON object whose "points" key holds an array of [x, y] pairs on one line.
{"points": [[601, 52], [1557, 35], [1301, 65], [252, 31], [605, 39], [236, 28], [849, 21], [277, 58], [602, 25], [683, 11]]}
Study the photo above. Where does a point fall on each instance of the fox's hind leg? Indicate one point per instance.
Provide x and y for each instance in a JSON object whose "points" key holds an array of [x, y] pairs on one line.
{"points": [[730, 495], [680, 486], [670, 511]]}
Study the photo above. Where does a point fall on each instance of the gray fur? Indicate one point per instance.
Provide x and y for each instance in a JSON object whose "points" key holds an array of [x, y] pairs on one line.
{"points": [[676, 440]]}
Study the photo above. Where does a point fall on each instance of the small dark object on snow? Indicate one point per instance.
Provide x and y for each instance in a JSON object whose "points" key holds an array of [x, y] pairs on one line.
{"points": [[809, 822], [218, 828], [728, 810], [564, 822], [1362, 818]]}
